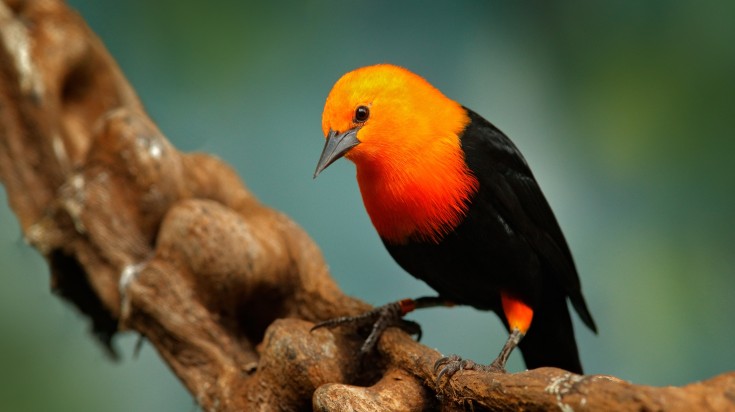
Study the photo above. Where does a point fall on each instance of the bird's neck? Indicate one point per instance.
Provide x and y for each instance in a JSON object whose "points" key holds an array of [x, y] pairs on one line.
{"points": [[420, 197]]}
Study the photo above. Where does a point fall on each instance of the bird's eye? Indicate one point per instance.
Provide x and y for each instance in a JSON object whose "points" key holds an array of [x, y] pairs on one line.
{"points": [[361, 114]]}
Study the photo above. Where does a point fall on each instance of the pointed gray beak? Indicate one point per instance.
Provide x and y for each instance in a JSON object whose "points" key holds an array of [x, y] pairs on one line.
{"points": [[337, 145]]}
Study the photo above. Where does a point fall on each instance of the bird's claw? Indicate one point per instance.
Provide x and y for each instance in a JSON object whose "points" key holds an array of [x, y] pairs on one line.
{"points": [[449, 365], [378, 320]]}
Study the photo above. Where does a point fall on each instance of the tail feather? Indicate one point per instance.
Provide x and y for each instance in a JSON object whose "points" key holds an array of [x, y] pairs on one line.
{"points": [[550, 339]]}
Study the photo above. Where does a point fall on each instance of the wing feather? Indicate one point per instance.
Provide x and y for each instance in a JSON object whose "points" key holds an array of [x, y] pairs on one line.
{"points": [[507, 182]]}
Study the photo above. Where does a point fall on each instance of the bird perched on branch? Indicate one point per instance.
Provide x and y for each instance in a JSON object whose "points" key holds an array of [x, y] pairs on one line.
{"points": [[456, 205]]}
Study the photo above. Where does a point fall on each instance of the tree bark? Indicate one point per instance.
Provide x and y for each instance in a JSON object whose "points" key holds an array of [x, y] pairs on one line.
{"points": [[142, 237]]}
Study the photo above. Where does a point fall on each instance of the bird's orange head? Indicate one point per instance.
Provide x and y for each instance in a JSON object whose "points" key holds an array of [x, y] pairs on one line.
{"points": [[404, 137]]}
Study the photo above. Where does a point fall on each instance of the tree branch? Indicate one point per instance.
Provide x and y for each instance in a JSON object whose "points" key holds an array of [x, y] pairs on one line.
{"points": [[142, 237]]}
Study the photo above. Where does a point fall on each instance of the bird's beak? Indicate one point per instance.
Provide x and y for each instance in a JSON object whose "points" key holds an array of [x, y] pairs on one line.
{"points": [[337, 145]]}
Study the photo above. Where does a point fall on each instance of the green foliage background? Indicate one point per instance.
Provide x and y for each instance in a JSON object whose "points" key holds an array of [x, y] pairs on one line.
{"points": [[624, 110]]}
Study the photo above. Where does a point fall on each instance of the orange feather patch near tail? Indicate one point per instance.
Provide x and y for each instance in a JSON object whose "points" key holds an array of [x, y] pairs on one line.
{"points": [[518, 314]]}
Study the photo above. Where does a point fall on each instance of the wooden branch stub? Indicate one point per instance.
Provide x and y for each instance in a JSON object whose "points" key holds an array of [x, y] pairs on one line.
{"points": [[142, 237]]}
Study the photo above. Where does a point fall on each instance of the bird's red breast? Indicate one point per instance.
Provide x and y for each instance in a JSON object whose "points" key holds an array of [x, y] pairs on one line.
{"points": [[410, 165]]}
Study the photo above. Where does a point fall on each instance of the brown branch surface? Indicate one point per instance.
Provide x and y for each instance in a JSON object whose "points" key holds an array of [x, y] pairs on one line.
{"points": [[140, 236]]}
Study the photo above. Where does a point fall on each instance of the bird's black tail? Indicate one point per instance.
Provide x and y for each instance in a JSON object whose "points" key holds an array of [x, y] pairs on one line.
{"points": [[550, 339]]}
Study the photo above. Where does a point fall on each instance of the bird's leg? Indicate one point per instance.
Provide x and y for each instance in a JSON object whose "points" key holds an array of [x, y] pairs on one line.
{"points": [[513, 339], [383, 317], [519, 317], [449, 365]]}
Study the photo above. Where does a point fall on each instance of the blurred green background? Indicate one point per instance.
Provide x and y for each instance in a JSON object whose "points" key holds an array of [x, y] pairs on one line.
{"points": [[624, 111]]}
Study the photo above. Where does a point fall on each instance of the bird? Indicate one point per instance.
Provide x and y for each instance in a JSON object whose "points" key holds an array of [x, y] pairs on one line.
{"points": [[457, 206]]}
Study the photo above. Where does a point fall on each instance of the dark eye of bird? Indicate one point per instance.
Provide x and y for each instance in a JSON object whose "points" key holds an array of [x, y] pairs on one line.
{"points": [[361, 114]]}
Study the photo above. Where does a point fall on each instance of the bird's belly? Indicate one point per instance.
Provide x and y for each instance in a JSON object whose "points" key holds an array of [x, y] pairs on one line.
{"points": [[469, 272]]}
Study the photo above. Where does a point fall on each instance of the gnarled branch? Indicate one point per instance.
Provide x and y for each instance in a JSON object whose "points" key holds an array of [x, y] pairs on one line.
{"points": [[142, 237]]}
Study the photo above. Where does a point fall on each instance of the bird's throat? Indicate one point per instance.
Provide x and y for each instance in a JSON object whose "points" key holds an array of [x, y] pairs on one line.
{"points": [[419, 201]]}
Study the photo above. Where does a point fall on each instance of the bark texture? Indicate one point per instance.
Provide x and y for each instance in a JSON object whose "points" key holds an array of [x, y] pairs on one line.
{"points": [[141, 237]]}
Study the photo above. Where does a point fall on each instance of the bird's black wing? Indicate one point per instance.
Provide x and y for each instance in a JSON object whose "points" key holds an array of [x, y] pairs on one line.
{"points": [[508, 183]]}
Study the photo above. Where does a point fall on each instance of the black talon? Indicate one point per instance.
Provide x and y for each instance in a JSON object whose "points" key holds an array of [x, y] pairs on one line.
{"points": [[449, 365], [444, 360], [378, 320]]}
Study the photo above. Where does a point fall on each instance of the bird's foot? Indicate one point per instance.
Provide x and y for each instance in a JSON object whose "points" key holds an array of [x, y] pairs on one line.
{"points": [[449, 365], [377, 320]]}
